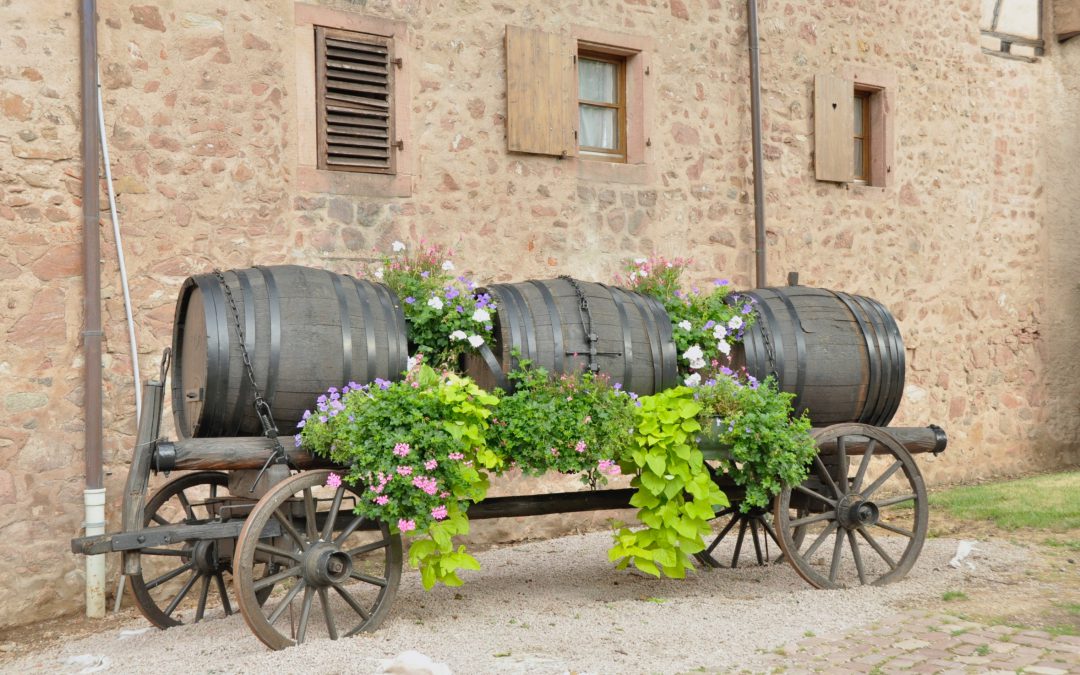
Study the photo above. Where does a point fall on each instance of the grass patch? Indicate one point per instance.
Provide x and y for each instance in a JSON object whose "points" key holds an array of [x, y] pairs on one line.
{"points": [[1041, 502], [950, 596], [1069, 544], [982, 650], [1063, 629]]}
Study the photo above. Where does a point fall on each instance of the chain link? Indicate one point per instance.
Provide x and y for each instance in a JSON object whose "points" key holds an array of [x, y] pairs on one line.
{"points": [[770, 355], [262, 408], [586, 322]]}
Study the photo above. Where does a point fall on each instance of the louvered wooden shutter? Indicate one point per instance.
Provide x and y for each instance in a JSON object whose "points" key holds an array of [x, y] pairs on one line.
{"points": [[354, 85]]}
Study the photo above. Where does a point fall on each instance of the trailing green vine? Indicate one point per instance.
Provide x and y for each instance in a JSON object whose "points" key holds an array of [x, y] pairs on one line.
{"points": [[676, 495]]}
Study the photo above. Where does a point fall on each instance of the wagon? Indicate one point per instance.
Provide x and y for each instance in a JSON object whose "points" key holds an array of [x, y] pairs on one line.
{"points": [[254, 513]]}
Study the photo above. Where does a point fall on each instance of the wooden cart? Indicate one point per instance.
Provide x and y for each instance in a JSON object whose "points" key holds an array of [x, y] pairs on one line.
{"points": [[303, 565]]}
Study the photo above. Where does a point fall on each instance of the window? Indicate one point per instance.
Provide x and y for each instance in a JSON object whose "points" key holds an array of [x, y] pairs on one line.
{"points": [[601, 106], [582, 96], [862, 135], [354, 75], [1012, 28], [853, 127], [353, 126]]}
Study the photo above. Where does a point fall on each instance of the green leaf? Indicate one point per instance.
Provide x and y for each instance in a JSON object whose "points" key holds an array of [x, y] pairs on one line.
{"points": [[647, 567], [656, 462]]}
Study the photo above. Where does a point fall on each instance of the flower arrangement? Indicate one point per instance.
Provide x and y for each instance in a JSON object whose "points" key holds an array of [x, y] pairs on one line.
{"points": [[575, 423], [705, 325], [446, 317], [765, 445], [418, 445]]}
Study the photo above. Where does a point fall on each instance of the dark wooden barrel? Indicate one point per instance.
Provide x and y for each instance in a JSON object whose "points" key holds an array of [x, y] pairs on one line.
{"points": [[305, 330], [841, 355], [544, 321]]}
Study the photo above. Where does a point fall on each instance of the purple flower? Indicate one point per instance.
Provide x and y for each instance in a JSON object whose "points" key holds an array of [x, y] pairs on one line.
{"points": [[452, 292], [721, 282], [709, 324], [727, 371], [617, 386], [297, 440], [410, 300], [300, 424], [425, 274], [746, 309], [382, 384], [459, 309]]}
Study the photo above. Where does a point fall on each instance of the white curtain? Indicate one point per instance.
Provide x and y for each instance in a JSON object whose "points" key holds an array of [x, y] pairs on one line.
{"points": [[598, 126]]}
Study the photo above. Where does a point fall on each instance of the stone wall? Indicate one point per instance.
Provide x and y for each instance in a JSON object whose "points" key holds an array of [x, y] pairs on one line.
{"points": [[969, 246]]}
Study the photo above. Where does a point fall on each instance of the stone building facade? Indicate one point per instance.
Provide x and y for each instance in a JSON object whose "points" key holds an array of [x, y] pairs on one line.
{"points": [[971, 241]]}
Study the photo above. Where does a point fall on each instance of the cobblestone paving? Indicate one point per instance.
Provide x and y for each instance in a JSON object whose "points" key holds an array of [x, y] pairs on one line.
{"points": [[927, 642]]}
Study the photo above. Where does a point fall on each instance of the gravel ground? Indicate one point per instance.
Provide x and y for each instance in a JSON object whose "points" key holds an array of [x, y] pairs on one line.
{"points": [[550, 606]]}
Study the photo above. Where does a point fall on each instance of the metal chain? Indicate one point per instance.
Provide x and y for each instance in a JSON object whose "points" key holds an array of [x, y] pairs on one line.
{"points": [[586, 322], [262, 408], [770, 355]]}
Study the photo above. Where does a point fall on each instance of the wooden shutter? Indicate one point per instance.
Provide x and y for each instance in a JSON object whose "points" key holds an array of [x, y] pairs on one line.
{"points": [[834, 128], [1066, 19], [354, 87], [541, 102]]}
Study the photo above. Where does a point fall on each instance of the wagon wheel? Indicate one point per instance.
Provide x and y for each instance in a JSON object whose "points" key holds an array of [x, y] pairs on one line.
{"points": [[873, 507], [730, 523], [176, 575], [351, 564]]}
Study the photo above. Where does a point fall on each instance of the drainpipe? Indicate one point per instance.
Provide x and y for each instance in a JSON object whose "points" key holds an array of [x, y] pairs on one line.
{"points": [[755, 114], [94, 495]]}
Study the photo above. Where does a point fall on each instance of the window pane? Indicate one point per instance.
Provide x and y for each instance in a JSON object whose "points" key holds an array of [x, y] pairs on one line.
{"points": [[859, 101], [597, 81], [860, 168], [598, 127]]}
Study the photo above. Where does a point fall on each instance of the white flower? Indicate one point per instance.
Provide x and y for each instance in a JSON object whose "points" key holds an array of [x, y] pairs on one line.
{"points": [[643, 273], [723, 347], [457, 335], [476, 340], [436, 302], [685, 325], [693, 381], [640, 261], [398, 247], [719, 332], [414, 361], [695, 356], [735, 323], [481, 315], [447, 266], [378, 273]]}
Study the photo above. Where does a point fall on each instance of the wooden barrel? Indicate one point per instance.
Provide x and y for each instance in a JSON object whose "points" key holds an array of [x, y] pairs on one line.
{"points": [[305, 330], [841, 355], [544, 322]]}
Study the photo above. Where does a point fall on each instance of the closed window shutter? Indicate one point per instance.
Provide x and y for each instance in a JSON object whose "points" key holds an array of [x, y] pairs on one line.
{"points": [[541, 93], [354, 85], [834, 126]]}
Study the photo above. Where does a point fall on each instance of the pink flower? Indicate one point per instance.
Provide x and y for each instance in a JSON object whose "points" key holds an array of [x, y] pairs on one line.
{"points": [[580, 447], [381, 500], [554, 452], [609, 467], [431, 464], [333, 480], [456, 455], [439, 512], [406, 525], [377, 488], [427, 484], [401, 449], [404, 470]]}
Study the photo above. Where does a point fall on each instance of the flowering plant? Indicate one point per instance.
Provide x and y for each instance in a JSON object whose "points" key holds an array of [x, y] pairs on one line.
{"points": [[418, 446], [575, 423], [446, 317], [705, 325], [764, 445]]}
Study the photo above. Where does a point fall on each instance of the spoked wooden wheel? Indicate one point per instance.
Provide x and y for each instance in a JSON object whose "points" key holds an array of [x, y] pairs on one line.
{"points": [[864, 509], [322, 550], [732, 525], [179, 579]]}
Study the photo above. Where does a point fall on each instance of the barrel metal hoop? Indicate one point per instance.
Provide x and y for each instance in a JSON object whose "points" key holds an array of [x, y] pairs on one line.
{"points": [[753, 341], [800, 344], [364, 289], [218, 350], [652, 330], [885, 385], [248, 344], [775, 354], [668, 354], [894, 348], [874, 381], [400, 351], [493, 365], [346, 328], [531, 350], [556, 323], [628, 342], [274, 301]]}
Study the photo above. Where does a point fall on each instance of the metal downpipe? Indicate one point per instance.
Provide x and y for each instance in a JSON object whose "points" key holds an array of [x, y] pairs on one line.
{"points": [[755, 114], [94, 496]]}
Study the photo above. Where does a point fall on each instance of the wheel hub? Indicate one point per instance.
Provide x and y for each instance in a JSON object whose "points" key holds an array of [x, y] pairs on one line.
{"points": [[855, 512], [324, 564], [204, 555]]}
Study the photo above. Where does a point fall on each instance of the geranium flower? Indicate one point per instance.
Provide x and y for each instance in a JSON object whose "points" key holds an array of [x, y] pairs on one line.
{"points": [[401, 449], [439, 512], [381, 500], [406, 525]]}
